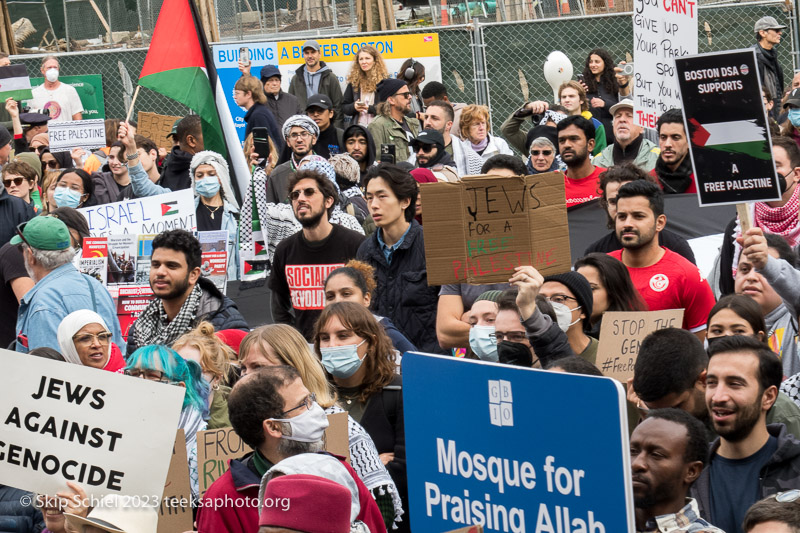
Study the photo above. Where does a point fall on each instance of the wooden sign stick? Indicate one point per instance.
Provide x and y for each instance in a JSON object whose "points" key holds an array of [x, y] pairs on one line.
{"points": [[133, 103], [744, 217]]}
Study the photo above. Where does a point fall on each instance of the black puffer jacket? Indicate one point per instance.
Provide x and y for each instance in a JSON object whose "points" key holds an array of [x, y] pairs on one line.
{"points": [[15, 517], [403, 293]]}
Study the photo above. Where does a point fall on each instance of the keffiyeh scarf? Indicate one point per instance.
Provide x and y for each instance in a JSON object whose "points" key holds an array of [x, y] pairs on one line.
{"points": [[151, 328]]}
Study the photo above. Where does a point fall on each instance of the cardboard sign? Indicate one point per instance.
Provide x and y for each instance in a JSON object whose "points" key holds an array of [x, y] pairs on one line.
{"points": [[725, 120], [153, 214], [337, 438], [90, 90], [661, 32], [87, 134], [479, 229], [175, 512], [621, 335], [491, 465], [156, 128], [71, 422]]}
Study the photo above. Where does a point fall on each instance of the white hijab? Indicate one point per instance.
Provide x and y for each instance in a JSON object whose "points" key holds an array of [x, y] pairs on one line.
{"points": [[207, 157], [71, 325]]}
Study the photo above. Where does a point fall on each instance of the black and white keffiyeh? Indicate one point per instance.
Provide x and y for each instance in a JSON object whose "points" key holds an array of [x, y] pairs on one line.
{"points": [[152, 326]]}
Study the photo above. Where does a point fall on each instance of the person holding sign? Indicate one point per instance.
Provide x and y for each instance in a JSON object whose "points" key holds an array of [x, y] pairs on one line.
{"points": [[571, 297], [673, 168]]}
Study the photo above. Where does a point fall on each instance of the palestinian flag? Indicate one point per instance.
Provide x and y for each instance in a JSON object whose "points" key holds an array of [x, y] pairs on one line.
{"points": [[737, 136], [15, 83], [169, 208]]}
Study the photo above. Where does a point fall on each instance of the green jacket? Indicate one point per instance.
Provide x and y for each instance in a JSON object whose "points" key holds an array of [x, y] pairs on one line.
{"points": [[386, 130], [645, 159]]}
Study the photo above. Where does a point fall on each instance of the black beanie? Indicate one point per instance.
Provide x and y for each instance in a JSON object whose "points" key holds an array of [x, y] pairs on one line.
{"points": [[389, 87], [580, 287]]}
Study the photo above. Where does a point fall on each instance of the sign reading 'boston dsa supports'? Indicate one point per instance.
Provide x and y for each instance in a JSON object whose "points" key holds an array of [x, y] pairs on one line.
{"points": [[150, 215], [490, 465], [479, 229], [63, 422], [726, 123]]}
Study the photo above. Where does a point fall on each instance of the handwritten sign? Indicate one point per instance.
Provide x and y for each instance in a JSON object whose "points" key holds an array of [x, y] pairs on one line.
{"points": [[175, 512], [479, 229], [153, 214], [662, 30], [88, 134], [622, 334], [71, 422], [156, 128]]}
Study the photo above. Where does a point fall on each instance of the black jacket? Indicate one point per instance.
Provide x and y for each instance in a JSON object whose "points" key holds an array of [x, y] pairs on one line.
{"points": [[214, 307], [176, 175], [403, 293], [15, 517], [349, 132], [329, 142], [13, 212], [349, 102], [283, 106], [259, 116]]}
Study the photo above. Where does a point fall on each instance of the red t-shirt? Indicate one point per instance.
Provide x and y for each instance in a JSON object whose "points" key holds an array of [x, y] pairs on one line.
{"points": [[674, 283], [692, 188], [583, 190]]}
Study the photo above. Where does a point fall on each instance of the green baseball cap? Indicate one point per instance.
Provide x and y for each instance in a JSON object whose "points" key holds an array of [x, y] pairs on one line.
{"points": [[43, 233]]}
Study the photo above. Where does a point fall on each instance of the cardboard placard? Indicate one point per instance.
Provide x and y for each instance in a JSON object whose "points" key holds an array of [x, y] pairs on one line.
{"points": [[726, 123], [621, 335], [337, 438], [175, 512], [156, 128], [479, 229], [64, 421], [153, 214], [86, 134]]}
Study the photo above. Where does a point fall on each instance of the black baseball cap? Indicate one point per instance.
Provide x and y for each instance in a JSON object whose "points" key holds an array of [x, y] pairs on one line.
{"points": [[319, 100], [428, 136]]}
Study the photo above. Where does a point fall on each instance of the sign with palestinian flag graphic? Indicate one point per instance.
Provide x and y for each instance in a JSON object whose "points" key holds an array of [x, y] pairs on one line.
{"points": [[150, 215], [726, 125]]}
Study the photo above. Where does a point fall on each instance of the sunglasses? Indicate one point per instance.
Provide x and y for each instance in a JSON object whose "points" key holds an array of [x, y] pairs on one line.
{"points": [[542, 152], [308, 193], [425, 147], [52, 164], [16, 181], [406, 94]]}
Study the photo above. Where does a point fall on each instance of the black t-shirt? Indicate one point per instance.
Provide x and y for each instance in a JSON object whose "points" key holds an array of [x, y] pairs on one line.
{"points": [[204, 220], [666, 239], [735, 486], [299, 269], [12, 266]]}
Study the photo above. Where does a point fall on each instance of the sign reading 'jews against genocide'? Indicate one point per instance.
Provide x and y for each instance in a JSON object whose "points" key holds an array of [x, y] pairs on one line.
{"points": [[726, 123], [149, 215], [495, 469], [64, 422]]}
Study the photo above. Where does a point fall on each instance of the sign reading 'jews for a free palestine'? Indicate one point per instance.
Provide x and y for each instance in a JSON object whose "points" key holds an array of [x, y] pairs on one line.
{"points": [[726, 123]]}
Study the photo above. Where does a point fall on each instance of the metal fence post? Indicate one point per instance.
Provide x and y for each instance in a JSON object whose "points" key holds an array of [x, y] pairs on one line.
{"points": [[66, 28], [479, 64], [795, 36]]}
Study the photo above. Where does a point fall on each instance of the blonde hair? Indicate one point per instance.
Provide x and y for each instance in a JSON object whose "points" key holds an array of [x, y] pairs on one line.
{"points": [[50, 175], [253, 86], [215, 355], [293, 350], [472, 114], [367, 81], [572, 84], [248, 147]]}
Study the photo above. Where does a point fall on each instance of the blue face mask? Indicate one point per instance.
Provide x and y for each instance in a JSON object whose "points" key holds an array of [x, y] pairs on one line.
{"points": [[794, 117], [207, 187], [483, 342], [66, 197], [342, 361]]}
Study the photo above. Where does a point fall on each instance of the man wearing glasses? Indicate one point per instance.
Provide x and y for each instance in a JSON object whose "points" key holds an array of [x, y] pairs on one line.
{"points": [[301, 134], [431, 154], [570, 294], [303, 260], [768, 35], [629, 144], [393, 127]]}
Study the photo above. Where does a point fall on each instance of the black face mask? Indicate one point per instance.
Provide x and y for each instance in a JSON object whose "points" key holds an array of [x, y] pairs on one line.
{"points": [[514, 353], [782, 182]]}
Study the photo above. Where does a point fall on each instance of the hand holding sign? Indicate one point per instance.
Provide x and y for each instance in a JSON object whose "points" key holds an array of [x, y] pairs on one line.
{"points": [[74, 502], [126, 135], [754, 247], [529, 282], [12, 107]]}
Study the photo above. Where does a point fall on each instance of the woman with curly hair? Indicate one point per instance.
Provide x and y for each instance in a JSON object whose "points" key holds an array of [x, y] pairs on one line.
{"points": [[361, 97], [602, 87]]}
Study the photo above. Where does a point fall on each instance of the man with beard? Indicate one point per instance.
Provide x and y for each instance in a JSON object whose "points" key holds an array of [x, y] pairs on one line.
{"points": [[575, 142], [439, 116], [183, 298], [750, 459], [664, 279], [359, 144], [629, 144], [668, 452], [673, 168], [303, 261], [429, 147], [300, 133], [273, 413], [392, 126]]}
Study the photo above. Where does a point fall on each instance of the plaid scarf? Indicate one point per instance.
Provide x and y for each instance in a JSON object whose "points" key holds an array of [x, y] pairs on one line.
{"points": [[782, 220], [152, 326]]}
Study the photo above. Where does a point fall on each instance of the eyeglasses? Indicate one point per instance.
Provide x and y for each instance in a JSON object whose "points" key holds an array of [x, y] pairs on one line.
{"points": [[788, 496], [150, 375], [308, 403], [52, 163], [560, 298], [511, 336], [406, 94], [16, 181], [86, 340], [546, 153], [425, 148], [299, 135], [308, 193], [39, 148]]}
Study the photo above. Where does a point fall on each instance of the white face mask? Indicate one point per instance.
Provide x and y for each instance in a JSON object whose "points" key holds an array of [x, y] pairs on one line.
{"points": [[51, 75], [307, 427], [564, 315]]}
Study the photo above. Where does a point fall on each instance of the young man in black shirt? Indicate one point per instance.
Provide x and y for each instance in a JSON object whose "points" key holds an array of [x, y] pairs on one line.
{"points": [[329, 142]]}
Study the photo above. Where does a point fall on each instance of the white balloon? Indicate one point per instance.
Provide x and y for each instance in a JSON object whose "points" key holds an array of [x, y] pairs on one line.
{"points": [[557, 70]]}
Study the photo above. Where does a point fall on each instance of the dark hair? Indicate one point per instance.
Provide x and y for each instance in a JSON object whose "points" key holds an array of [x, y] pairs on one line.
{"points": [[360, 273], [696, 440], [324, 185], [181, 240], [770, 370], [47, 353], [86, 180], [743, 306], [608, 77], [622, 173], [447, 106], [791, 148], [63, 159], [671, 116], [771, 510], [256, 398], [670, 361], [649, 190], [614, 275], [780, 245], [544, 307], [506, 162], [419, 73], [402, 184], [145, 144], [434, 89], [189, 125], [574, 364], [111, 126], [73, 219], [581, 123], [507, 301], [117, 144]]}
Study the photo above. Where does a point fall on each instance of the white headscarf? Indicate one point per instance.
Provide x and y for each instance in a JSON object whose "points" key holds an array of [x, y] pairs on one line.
{"points": [[71, 325], [207, 157]]}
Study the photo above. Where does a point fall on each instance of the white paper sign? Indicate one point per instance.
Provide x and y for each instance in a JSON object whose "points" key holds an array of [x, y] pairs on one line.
{"points": [[88, 134], [150, 215], [110, 433], [662, 31]]}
